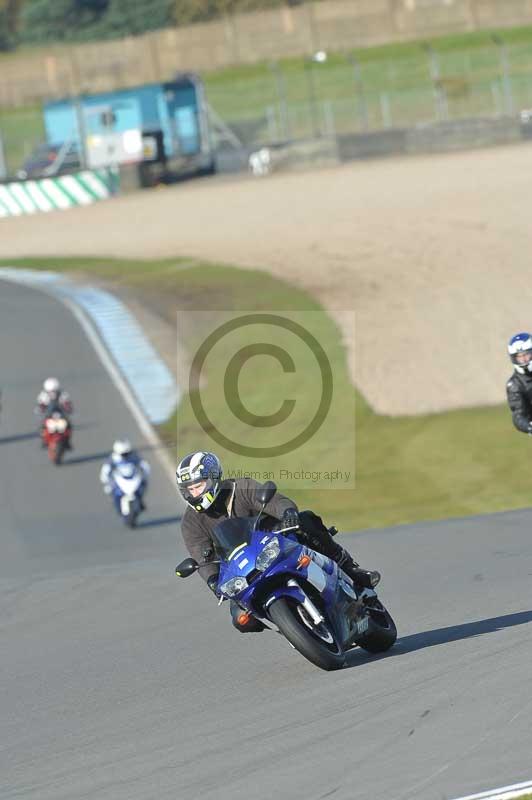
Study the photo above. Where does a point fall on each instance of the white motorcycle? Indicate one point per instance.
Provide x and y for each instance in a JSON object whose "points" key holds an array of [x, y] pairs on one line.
{"points": [[128, 484]]}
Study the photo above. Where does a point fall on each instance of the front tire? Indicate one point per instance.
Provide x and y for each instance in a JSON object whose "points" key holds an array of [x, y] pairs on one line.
{"points": [[284, 613], [131, 519], [58, 452]]}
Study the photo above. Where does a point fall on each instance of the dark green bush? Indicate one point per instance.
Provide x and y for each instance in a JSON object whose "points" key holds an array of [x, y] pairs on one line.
{"points": [[38, 21]]}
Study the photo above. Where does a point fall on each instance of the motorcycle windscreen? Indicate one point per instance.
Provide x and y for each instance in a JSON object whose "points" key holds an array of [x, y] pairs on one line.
{"points": [[230, 534], [126, 469]]}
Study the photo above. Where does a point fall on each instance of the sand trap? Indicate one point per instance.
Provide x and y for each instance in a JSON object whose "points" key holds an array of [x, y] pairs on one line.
{"points": [[434, 254]]}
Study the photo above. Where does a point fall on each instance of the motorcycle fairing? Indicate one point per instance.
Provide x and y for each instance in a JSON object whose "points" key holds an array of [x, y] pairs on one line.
{"points": [[127, 490], [320, 582]]}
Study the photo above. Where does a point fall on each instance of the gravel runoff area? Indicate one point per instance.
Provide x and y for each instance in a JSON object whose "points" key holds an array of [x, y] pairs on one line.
{"points": [[432, 254]]}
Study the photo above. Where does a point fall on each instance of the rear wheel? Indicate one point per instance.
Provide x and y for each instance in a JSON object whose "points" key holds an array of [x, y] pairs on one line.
{"points": [[315, 643], [382, 632]]}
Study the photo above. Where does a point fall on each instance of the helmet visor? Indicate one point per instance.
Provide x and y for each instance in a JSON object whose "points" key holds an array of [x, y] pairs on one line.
{"points": [[198, 493], [196, 488], [522, 358]]}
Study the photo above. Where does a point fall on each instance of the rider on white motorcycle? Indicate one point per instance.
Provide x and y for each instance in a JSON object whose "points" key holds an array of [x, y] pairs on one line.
{"points": [[123, 453]]}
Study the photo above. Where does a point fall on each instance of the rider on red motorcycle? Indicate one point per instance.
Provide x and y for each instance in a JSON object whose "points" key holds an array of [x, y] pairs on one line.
{"points": [[56, 432], [52, 392], [52, 399]]}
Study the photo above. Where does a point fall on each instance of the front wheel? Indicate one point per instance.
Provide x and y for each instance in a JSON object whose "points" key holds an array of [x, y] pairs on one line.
{"points": [[131, 519], [56, 452], [382, 631], [315, 644]]}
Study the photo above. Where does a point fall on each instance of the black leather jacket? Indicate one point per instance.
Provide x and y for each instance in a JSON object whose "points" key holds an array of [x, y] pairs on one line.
{"points": [[519, 393]]}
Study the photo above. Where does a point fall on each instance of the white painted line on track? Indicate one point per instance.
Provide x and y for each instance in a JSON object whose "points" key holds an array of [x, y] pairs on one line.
{"points": [[122, 386], [149, 379], [45, 282], [503, 793]]}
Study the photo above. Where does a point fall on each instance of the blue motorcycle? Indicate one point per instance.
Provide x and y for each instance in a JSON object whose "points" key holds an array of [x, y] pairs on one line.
{"points": [[296, 591]]}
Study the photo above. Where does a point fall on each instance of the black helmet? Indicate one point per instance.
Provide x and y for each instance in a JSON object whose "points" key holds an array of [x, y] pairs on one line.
{"points": [[195, 468]]}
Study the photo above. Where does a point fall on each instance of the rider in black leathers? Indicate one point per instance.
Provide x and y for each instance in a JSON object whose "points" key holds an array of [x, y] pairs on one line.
{"points": [[211, 499], [519, 386]]}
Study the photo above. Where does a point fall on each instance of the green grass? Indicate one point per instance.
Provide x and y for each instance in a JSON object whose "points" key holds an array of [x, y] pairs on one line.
{"points": [[21, 130], [407, 469]]}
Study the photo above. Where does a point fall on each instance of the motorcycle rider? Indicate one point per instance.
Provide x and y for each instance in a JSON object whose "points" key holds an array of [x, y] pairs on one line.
{"points": [[123, 453], [51, 399], [211, 499], [519, 386], [52, 392]]}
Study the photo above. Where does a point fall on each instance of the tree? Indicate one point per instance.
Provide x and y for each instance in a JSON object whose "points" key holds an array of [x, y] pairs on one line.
{"points": [[93, 5], [187, 11], [124, 17], [43, 20], [82, 20], [9, 22]]}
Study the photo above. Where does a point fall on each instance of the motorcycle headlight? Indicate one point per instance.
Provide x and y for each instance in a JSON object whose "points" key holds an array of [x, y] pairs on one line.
{"points": [[233, 586], [266, 558]]}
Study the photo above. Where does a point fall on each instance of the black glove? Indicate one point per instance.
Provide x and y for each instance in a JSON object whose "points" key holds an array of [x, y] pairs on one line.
{"points": [[290, 518], [212, 583]]}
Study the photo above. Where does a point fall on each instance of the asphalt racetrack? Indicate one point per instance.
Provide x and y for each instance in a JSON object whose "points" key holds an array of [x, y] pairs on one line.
{"points": [[120, 682]]}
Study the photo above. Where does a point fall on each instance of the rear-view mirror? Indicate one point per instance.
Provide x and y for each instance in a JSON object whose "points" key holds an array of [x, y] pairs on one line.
{"points": [[186, 568], [266, 492]]}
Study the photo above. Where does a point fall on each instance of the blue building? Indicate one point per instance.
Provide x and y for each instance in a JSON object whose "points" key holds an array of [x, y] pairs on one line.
{"points": [[163, 127]]}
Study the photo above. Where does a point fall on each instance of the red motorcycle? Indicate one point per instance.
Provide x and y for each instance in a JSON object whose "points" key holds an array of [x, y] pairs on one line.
{"points": [[56, 434]]}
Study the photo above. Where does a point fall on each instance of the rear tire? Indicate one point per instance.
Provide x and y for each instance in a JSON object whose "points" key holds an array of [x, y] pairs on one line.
{"points": [[382, 632], [284, 614]]}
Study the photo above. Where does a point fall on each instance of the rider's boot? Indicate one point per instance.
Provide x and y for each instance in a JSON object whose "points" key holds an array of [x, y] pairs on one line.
{"points": [[321, 538], [362, 577]]}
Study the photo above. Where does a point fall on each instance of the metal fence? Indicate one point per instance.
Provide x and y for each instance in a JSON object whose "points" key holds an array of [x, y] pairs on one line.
{"points": [[357, 98], [342, 93]]}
